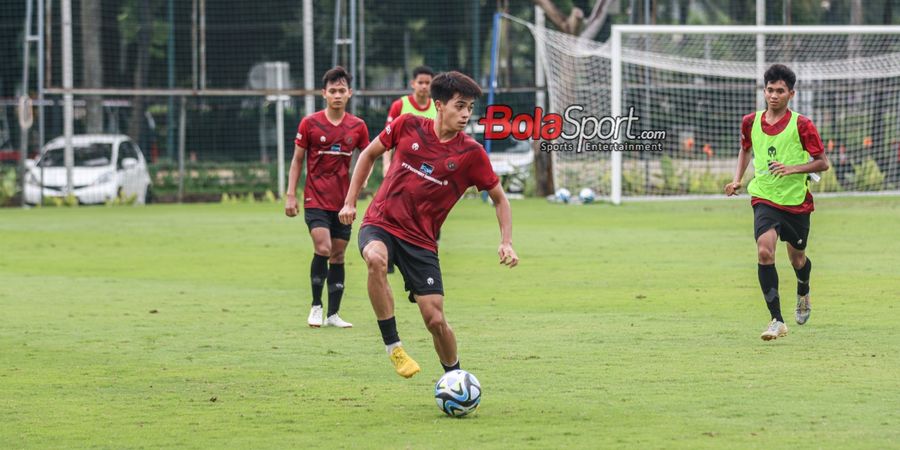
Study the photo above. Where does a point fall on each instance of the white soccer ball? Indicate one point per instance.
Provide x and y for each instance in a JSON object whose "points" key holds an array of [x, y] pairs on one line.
{"points": [[563, 195], [587, 195], [457, 393]]}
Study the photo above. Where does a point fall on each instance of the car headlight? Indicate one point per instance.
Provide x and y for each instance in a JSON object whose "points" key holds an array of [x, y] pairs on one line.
{"points": [[105, 178]]}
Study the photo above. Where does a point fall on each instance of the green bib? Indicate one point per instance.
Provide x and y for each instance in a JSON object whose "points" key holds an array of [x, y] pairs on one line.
{"points": [[408, 107], [785, 147]]}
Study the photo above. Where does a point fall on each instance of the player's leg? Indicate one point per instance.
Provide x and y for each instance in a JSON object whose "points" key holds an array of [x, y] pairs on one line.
{"points": [[767, 226], [335, 284], [319, 231], [432, 308], [340, 235], [802, 268], [374, 244]]}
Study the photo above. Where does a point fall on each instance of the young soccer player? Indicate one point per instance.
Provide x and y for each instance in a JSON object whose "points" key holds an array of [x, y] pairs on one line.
{"points": [[418, 103], [786, 147], [435, 163], [327, 140]]}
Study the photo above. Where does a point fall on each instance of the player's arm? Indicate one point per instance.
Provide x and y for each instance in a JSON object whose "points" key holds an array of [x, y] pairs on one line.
{"points": [[743, 160], [364, 165], [819, 163], [744, 156], [291, 208], [504, 216]]}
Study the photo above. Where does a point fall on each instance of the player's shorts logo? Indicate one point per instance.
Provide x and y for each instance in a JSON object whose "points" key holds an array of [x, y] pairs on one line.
{"points": [[426, 168], [415, 146], [451, 165], [430, 281], [322, 139]]}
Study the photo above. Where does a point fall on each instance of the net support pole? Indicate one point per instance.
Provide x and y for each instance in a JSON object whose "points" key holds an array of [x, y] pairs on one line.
{"points": [[760, 51], [492, 84], [68, 110], [182, 132], [308, 61], [279, 126], [615, 86]]}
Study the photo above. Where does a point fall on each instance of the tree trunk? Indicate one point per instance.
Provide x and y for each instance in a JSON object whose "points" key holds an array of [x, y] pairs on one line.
{"points": [[92, 64], [141, 66]]}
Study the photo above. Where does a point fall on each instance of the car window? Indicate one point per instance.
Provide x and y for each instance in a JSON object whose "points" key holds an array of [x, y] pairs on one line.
{"points": [[93, 155], [126, 150]]}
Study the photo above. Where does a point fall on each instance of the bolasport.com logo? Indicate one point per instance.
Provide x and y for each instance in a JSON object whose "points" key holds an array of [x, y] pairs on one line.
{"points": [[572, 131]]}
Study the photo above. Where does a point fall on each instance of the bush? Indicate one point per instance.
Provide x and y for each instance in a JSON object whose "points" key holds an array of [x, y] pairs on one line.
{"points": [[8, 185], [867, 176]]}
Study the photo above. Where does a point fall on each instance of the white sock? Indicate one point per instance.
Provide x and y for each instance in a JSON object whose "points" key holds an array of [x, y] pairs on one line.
{"points": [[390, 348]]}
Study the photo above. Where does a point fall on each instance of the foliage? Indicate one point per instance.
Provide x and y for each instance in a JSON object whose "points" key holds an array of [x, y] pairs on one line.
{"points": [[8, 185], [867, 176]]}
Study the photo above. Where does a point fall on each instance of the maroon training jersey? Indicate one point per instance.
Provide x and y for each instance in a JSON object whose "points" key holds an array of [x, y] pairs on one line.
{"points": [[809, 139], [328, 152], [426, 179]]}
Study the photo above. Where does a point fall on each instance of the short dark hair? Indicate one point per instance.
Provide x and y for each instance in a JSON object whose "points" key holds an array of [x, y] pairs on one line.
{"points": [[447, 84], [336, 74], [422, 70], [780, 72]]}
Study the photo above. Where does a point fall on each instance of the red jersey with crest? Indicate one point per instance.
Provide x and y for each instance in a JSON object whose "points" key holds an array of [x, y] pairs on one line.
{"points": [[328, 151], [426, 179]]}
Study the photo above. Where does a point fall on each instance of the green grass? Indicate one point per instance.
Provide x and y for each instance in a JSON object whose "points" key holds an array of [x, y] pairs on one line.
{"points": [[634, 326]]}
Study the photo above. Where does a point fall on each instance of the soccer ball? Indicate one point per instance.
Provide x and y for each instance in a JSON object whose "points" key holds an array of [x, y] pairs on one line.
{"points": [[563, 195], [587, 195], [457, 393]]}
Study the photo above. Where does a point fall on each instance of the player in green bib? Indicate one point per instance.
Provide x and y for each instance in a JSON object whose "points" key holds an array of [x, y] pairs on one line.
{"points": [[418, 103], [786, 149]]}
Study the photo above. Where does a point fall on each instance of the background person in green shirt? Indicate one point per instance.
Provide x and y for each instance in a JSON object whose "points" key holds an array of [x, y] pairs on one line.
{"points": [[418, 103], [786, 147]]}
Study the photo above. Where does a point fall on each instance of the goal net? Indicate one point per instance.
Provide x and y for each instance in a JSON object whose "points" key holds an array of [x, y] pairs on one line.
{"points": [[689, 88]]}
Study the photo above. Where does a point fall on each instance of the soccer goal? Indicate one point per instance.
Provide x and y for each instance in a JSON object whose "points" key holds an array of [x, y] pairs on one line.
{"points": [[690, 86]]}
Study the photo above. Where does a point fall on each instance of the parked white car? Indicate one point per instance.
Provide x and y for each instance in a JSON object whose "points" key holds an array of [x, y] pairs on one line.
{"points": [[106, 166]]}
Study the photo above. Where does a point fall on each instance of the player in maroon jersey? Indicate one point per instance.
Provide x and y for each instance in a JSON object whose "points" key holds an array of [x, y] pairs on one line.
{"points": [[327, 140], [435, 163]]}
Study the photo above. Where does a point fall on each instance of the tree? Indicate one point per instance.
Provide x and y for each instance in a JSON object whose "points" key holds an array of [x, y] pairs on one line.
{"points": [[92, 61], [141, 68]]}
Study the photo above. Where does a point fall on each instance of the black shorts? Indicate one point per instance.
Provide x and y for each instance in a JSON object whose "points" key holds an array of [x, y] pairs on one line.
{"points": [[791, 228], [319, 218], [419, 266]]}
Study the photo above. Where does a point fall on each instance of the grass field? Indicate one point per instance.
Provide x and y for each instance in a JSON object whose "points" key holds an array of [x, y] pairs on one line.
{"points": [[634, 326]]}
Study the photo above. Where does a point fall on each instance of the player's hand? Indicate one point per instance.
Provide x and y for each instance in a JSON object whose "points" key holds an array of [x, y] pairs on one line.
{"points": [[508, 256], [777, 168], [732, 188], [347, 215], [290, 206]]}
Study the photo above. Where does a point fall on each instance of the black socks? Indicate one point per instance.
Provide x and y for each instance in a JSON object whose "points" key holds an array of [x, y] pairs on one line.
{"points": [[318, 271], [803, 278], [388, 329], [335, 288], [768, 281]]}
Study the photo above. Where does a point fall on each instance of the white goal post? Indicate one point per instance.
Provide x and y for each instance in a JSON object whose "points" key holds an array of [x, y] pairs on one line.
{"points": [[887, 65], [695, 83]]}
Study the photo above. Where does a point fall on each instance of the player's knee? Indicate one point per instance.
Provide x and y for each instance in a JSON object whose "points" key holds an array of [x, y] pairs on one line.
{"points": [[436, 323], [337, 257], [323, 248], [376, 262], [766, 255]]}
